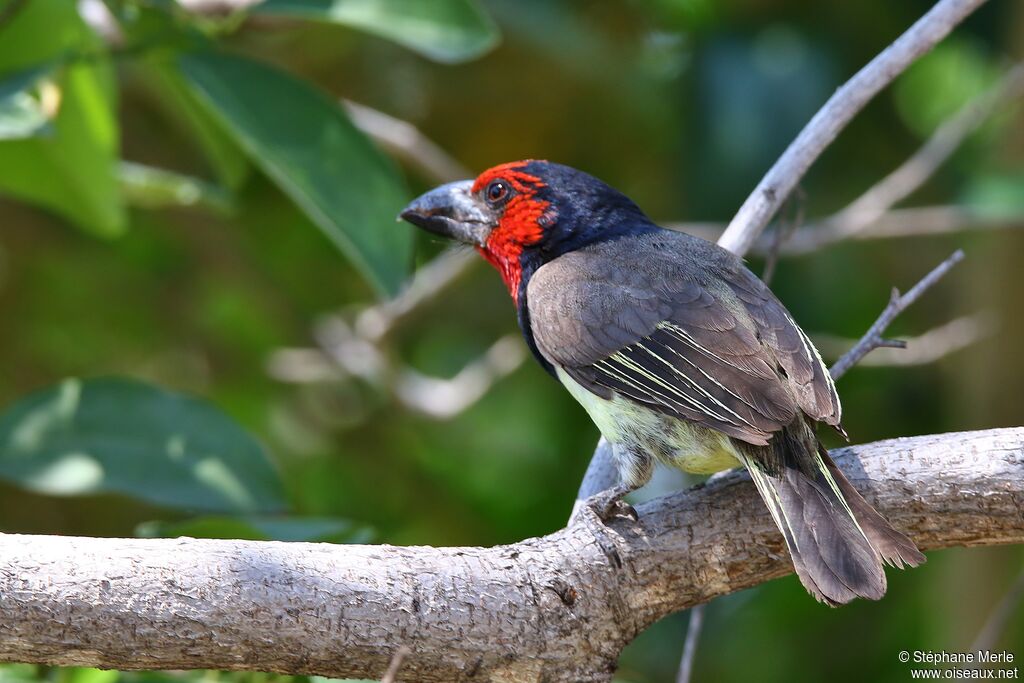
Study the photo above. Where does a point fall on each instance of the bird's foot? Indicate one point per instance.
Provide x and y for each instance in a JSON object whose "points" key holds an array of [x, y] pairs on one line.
{"points": [[608, 504]]}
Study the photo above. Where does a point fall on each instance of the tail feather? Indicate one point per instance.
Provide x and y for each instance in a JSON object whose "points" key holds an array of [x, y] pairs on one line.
{"points": [[895, 548], [836, 539], [831, 555]]}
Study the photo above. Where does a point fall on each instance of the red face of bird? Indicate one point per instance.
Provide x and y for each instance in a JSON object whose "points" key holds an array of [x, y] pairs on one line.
{"points": [[501, 214]]}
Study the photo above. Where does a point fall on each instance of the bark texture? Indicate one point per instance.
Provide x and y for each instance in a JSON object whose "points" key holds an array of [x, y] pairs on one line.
{"points": [[557, 608]]}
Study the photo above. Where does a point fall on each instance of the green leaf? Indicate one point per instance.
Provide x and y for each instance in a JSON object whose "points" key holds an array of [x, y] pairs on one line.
{"points": [[306, 144], [258, 528], [119, 435], [23, 111], [443, 30], [81, 674], [996, 195], [19, 673], [73, 169], [942, 81], [156, 188], [227, 160]]}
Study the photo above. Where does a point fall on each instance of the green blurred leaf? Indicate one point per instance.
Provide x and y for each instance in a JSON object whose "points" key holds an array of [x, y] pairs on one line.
{"points": [[941, 82], [120, 435], [443, 30], [226, 158], [307, 145], [22, 110], [18, 673], [81, 674], [996, 195], [156, 188], [73, 170], [257, 528], [160, 27]]}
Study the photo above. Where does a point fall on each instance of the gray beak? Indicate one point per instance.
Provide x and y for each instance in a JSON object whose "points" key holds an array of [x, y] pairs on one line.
{"points": [[452, 211]]}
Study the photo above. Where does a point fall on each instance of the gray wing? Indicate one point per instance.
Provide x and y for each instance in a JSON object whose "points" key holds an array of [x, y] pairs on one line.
{"points": [[682, 326]]}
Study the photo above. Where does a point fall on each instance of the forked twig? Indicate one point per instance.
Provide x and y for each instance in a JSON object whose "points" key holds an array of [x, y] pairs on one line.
{"points": [[873, 339]]}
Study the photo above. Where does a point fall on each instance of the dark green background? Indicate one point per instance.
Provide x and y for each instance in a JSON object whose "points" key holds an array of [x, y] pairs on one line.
{"points": [[682, 104]]}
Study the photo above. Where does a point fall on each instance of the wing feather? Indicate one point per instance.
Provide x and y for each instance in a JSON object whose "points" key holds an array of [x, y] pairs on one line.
{"points": [[680, 325]]}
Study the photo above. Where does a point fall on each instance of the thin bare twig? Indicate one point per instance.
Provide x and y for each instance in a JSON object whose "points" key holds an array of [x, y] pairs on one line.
{"points": [[1000, 615], [407, 142], [909, 176], [445, 398], [870, 216], [933, 220], [936, 343], [357, 349], [375, 322], [396, 663], [872, 339], [921, 221], [344, 354], [693, 630], [833, 117]]}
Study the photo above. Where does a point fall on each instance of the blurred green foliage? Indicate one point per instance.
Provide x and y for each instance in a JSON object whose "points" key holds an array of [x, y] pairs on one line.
{"points": [[87, 437], [186, 203]]}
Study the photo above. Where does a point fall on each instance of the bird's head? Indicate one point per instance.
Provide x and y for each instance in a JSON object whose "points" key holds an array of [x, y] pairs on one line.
{"points": [[521, 215]]}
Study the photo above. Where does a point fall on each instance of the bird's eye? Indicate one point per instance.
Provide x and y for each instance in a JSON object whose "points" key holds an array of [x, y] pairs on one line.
{"points": [[496, 191]]}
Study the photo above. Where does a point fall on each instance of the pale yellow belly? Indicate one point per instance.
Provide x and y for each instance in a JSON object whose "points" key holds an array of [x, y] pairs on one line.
{"points": [[675, 442]]}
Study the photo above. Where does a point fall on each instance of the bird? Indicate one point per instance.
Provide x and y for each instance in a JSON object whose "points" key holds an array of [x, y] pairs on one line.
{"points": [[677, 352]]}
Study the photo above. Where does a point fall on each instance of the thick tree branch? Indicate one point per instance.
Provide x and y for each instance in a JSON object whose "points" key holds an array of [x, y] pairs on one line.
{"points": [[557, 608]]}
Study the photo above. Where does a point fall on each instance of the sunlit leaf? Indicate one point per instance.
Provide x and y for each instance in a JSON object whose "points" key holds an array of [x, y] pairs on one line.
{"points": [[28, 102], [71, 169], [82, 674], [305, 143], [443, 30], [119, 435], [261, 528]]}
